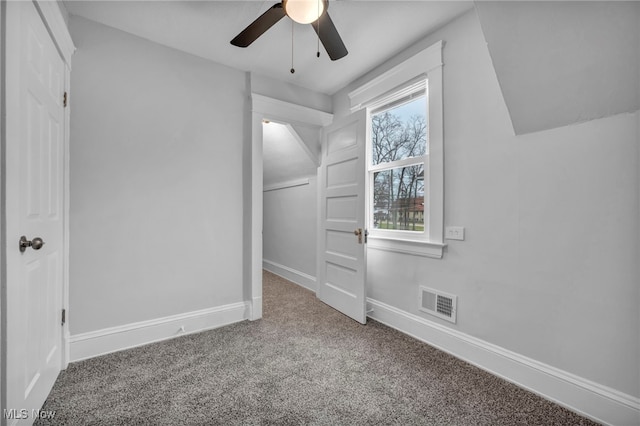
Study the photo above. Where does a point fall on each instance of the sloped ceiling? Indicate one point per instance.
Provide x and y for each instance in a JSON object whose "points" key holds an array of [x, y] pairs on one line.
{"points": [[560, 63], [284, 159]]}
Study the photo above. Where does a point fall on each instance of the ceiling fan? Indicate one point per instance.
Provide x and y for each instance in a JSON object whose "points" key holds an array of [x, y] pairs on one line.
{"points": [[312, 12]]}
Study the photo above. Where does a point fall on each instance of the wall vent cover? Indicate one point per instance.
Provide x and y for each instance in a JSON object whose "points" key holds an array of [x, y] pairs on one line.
{"points": [[438, 303]]}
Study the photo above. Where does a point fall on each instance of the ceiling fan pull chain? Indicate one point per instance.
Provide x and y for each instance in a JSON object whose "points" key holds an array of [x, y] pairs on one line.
{"points": [[292, 27], [318, 48]]}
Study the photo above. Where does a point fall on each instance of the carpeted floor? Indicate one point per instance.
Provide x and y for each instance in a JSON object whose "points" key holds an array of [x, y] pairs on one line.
{"points": [[303, 363]]}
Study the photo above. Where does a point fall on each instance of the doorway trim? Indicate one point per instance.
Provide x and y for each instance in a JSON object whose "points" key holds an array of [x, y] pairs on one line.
{"points": [[266, 108]]}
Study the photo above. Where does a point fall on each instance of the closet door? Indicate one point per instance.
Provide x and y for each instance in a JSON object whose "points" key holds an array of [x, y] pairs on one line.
{"points": [[34, 244]]}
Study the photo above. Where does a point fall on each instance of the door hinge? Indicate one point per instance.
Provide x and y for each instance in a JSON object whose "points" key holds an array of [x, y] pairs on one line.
{"points": [[64, 100], [64, 316]]}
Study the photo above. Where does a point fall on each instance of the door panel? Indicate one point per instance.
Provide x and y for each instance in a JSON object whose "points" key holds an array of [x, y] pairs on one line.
{"points": [[342, 173], [34, 188], [340, 243], [342, 209], [342, 138], [341, 256]]}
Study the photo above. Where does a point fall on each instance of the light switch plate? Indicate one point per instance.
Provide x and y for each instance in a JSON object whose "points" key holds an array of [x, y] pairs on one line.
{"points": [[454, 233]]}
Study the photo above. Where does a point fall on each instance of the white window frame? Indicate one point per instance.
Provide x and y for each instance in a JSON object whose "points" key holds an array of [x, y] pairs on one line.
{"points": [[394, 84], [396, 99]]}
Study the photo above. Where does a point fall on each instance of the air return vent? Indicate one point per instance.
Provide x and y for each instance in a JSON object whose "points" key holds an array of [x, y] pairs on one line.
{"points": [[438, 303]]}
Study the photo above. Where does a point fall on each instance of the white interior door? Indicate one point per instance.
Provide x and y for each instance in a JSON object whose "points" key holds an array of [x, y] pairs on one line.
{"points": [[341, 248], [34, 209]]}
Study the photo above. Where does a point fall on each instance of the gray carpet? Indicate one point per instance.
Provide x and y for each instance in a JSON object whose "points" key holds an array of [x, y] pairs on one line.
{"points": [[303, 363]]}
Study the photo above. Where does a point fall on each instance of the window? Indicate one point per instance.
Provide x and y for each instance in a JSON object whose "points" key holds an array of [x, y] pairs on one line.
{"points": [[397, 158], [405, 161]]}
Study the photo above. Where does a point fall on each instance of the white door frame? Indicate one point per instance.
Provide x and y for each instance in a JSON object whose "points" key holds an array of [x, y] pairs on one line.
{"points": [[263, 107], [56, 26]]}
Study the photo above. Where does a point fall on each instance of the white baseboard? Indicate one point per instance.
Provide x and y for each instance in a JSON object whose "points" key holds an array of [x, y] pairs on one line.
{"points": [[256, 309], [101, 342], [590, 399], [300, 278]]}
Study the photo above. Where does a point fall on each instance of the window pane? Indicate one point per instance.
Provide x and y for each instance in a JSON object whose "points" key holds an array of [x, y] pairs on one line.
{"points": [[399, 132], [398, 198]]}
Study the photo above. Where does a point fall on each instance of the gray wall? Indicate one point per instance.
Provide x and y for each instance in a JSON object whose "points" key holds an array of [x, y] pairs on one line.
{"points": [[290, 227], [549, 267], [156, 180]]}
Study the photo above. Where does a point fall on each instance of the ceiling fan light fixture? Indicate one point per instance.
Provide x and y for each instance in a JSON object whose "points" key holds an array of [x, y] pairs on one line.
{"points": [[314, 12], [304, 11]]}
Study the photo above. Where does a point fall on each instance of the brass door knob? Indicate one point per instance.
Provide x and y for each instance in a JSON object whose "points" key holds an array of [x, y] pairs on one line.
{"points": [[358, 233], [35, 244]]}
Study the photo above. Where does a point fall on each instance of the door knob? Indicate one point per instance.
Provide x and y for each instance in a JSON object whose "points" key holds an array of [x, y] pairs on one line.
{"points": [[358, 233], [35, 244]]}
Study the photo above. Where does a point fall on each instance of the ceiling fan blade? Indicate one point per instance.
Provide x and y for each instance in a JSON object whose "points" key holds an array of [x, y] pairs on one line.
{"points": [[329, 37], [259, 26]]}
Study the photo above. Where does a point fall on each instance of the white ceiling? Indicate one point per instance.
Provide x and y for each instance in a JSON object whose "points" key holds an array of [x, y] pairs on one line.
{"points": [[373, 32]]}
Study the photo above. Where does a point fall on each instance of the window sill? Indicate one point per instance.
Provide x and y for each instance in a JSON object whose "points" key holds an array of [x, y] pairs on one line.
{"points": [[412, 247]]}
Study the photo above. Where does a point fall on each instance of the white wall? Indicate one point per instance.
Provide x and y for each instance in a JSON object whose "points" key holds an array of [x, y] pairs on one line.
{"points": [[549, 267], [156, 181], [289, 236]]}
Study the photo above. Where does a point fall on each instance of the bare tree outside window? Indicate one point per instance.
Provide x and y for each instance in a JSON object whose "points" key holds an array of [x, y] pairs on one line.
{"points": [[399, 135]]}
